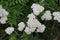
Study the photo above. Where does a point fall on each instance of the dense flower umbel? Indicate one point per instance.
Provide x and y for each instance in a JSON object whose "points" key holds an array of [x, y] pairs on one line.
{"points": [[41, 28], [3, 15], [47, 15], [37, 8], [31, 15], [27, 30], [21, 26], [9, 30], [56, 16], [33, 24]]}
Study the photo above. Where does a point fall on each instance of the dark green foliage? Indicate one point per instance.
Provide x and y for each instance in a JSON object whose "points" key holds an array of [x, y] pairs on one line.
{"points": [[18, 11]]}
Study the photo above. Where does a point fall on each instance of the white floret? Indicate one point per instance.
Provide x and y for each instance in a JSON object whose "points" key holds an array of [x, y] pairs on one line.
{"points": [[31, 15], [33, 29], [37, 8], [3, 15], [41, 29], [9, 30], [3, 20], [31, 23], [21, 26], [3, 12], [56, 16], [27, 30], [47, 15]]}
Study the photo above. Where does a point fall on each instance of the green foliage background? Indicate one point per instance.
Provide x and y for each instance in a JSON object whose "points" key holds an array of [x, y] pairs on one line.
{"points": [[18, 11]]}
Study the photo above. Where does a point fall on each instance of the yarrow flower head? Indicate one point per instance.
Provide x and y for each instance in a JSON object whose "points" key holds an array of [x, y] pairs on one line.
{"points": [[3, 20], [56, 16], [33, 24], [27, 30], [21, 26], [31, 15], [41, 28], [9, 30], [47, 15], [37, 8], [3, 15]]}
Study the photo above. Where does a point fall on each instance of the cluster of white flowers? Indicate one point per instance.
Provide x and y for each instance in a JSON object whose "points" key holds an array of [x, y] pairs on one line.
{"points": [[47, 15], [9, 30], [41, 28], [30, 23], [21, 26], [37, 8], [31, 15], [33, 24], [27, 30], [3, 15], [56, 16]]}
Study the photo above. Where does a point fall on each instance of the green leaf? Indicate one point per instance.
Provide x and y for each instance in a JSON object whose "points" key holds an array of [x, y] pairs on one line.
{"points": [[13, 37]]}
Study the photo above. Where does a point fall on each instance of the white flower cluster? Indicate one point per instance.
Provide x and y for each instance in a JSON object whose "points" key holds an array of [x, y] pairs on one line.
{"points": [[56, 16], [9, 30], [47, 15], [33, 24], [3, 15], [37, 8], [41, 28], [21, 26]]}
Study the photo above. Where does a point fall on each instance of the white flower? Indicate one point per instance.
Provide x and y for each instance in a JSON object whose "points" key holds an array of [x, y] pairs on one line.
{"points": [[21, 26], [3, 15], [32, 29], [47, 15], [9, 30], [31, 20], [27, 30], [56, 16], [31, 15], [3, 12], [31, 23], [37, 8], [3, 20], [41, 29]]}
